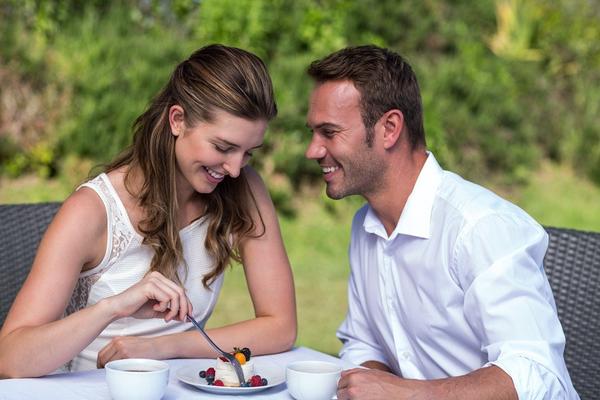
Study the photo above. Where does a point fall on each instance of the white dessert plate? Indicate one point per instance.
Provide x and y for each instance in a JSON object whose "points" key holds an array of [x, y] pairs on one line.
{"points": [[189, 374]]}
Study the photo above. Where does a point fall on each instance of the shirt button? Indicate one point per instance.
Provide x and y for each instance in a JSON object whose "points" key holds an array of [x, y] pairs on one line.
{"points": [[405, 355]]}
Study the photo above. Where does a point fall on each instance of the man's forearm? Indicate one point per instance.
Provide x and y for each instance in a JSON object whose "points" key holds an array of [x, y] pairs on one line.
{"points": [[485, 383], [490, 383]]}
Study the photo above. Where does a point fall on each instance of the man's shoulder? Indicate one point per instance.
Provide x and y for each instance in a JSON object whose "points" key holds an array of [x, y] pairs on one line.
{"points": [[472, 202]]}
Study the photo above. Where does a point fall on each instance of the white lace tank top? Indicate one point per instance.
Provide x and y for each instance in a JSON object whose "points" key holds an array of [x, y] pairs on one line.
{"points": [[126, 261]]}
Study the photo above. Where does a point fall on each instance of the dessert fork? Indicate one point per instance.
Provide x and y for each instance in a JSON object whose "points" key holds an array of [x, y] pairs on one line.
{"points": [[236, 364]]}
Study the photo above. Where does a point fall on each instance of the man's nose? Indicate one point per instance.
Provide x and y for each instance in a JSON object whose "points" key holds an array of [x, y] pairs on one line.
{"points": [[315, 150]]}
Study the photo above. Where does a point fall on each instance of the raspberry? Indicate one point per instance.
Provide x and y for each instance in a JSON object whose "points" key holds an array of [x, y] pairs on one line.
{"points": [[223, 359], [218, 382], [210, 372], [256, 380]]}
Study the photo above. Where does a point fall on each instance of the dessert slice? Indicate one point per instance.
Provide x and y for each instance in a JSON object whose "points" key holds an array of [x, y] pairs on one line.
{"points": [[225, 372]]}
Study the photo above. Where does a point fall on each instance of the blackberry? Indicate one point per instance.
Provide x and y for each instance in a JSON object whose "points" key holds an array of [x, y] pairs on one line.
{"points": [[247, 353]]}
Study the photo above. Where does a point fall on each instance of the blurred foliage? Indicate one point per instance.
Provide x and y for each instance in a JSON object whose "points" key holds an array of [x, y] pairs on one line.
{"points": [[505, 83]]}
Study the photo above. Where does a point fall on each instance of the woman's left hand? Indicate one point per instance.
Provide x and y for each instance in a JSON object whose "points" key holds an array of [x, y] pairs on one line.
{"points": [[128, 347]]}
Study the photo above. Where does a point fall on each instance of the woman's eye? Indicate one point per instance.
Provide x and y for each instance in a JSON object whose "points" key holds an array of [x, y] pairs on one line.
{"points": [[248, 154], [222, 149]]}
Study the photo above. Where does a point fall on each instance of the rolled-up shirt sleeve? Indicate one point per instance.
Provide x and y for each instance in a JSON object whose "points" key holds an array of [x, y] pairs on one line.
{"points": [[508, 303]]}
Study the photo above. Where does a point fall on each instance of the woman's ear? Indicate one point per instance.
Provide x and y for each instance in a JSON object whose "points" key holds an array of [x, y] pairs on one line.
{"points": [[176, 120], [392, 123]]}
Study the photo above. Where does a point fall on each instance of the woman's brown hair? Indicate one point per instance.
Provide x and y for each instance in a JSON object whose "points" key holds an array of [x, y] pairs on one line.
{"points": [[215, 77]]}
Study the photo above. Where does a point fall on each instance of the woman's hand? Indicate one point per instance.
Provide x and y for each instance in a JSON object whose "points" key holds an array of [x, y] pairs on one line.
{"points": [[155, 296], [128, 347]]}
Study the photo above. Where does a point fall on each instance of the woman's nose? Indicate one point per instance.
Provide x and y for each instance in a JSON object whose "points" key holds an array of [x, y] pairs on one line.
{"points": [[234, 165]]}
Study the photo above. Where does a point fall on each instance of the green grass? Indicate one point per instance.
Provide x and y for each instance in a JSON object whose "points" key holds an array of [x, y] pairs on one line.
{"points": [[317, 240], [558, 197]]}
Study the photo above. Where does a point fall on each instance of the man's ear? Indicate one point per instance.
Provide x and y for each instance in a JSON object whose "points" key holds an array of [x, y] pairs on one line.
{"points": [[176, 120], [392, 123]]}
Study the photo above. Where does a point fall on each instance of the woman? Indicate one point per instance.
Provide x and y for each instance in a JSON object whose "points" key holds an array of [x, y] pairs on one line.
{"points": [[145, 243]]}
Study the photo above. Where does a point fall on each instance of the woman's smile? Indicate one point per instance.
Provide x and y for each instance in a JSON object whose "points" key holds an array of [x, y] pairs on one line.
{"points": [[213, 176]]}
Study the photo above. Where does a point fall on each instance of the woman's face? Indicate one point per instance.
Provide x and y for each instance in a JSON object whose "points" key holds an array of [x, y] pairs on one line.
{"points": [[209, 151]]}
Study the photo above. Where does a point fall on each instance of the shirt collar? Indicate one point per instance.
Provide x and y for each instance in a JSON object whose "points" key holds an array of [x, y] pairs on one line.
{"points": [[415, 219]]}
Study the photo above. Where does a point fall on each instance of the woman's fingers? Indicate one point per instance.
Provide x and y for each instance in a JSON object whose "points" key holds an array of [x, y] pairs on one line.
{"points": [[190, 310], [171, 298], [105, 355], [154, 296]]}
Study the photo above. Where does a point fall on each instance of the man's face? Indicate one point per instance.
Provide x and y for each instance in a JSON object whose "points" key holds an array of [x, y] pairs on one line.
{"points": [[339, 144]]}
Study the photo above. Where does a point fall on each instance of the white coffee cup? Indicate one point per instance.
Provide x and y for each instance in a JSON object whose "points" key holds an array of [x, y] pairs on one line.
{"points": [[137, 379], [312, 380]]}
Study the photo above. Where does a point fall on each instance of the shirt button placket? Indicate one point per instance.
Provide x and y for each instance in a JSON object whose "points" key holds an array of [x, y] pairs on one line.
{"points": [[401, 343]]}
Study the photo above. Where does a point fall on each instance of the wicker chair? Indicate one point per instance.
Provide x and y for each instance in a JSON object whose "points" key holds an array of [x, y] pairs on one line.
{"points": [[572, 264], [21, 228]]}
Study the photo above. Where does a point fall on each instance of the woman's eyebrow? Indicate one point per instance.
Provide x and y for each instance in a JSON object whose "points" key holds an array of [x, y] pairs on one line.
{"points": [[227, 142]]}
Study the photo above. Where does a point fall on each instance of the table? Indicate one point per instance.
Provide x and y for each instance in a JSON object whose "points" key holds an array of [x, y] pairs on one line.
{"points": [[91, 385]]}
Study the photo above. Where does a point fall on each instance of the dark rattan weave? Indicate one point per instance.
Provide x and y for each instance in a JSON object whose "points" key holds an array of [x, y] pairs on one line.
{"points": [[572, 264], [21, 228]]}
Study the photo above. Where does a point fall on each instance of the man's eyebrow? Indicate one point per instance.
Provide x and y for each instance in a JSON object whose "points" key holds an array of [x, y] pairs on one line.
{"points": [[227, 142], [323, 125]]}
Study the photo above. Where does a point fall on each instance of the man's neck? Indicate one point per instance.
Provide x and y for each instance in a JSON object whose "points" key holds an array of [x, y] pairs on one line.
{"points": [[388, 203]]}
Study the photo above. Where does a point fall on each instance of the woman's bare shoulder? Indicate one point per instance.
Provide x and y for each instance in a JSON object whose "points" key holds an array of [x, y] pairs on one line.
{"points": [[85, 208]]}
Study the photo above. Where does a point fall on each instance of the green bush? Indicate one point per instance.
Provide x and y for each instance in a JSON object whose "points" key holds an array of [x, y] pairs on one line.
{"points": [[505, 83]]}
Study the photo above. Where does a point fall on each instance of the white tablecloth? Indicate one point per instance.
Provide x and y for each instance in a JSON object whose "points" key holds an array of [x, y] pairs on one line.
{"points": [[91, 385]]}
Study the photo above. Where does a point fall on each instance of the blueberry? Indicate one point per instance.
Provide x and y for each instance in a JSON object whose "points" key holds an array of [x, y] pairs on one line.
{"points": [[264, 382], [202, 374], [247, 353]]}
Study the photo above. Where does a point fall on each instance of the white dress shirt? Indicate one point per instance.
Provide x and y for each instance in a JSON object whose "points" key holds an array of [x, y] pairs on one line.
{"points": [[458, 285]]}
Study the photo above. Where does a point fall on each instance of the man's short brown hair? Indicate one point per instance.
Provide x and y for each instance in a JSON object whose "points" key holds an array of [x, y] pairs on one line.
{"points": [[385, 82]]}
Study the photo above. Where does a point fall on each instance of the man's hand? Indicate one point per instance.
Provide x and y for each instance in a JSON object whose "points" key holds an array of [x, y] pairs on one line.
{"points": [[489, 383], [360, 383]]}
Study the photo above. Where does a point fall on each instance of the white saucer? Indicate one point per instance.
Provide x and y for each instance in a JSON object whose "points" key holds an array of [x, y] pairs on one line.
{"points": [[189, 375]]}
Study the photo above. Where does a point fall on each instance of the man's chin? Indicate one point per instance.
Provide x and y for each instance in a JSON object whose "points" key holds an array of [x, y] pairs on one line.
{"points": [[334, 194]]}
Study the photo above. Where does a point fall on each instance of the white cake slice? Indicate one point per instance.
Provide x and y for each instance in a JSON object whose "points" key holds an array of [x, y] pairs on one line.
{"points": [[226, 373]]}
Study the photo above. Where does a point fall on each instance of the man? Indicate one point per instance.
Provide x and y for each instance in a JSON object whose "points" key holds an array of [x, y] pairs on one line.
{"points": [[447, 294]]}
